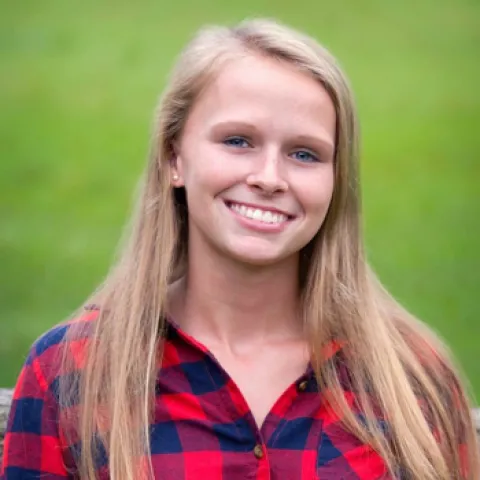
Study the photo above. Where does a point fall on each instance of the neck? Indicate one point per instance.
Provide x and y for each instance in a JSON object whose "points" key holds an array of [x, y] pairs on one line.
{"points": [[229, 303]]}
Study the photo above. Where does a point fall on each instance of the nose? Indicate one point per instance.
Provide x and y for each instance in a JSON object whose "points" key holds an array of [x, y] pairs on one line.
{"points": [[268, 176]]}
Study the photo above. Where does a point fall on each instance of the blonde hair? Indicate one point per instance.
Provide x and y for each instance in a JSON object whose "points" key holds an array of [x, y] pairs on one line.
{"points": [[392, 359]]}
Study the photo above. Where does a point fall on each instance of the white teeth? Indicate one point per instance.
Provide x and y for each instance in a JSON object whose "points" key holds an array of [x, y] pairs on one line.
{"points": [[257, 214], [264, 216], [268, 217]]}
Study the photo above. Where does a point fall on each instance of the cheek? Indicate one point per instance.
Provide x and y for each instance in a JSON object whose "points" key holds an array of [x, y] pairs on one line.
{"points": [[316, 193], [210, 171], [207, 181], [198, 173]]}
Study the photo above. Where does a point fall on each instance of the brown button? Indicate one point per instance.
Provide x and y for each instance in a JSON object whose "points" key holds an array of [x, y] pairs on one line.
{"points": [[258, 451], [302, 386]]}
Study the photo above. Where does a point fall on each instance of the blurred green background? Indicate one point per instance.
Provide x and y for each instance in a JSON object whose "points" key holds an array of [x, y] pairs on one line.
{"points": [[78, 86]]}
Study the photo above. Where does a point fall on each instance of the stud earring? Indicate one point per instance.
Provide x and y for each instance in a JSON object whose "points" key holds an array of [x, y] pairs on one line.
{"points": [[175, 177]]}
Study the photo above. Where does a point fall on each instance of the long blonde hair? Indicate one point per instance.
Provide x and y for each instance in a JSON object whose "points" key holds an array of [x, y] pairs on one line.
{"points": [[392, 359]]}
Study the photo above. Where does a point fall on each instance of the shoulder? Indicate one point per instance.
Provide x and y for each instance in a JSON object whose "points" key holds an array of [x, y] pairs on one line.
{"points": [[34, 440], [47, 353], [442, 391]]}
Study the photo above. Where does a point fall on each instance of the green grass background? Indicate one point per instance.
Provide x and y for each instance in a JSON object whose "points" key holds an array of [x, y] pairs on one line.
{"points": [[78, 85]]}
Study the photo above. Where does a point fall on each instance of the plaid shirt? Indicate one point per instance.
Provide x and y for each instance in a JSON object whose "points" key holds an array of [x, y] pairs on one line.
{"points": [[202, 428]]}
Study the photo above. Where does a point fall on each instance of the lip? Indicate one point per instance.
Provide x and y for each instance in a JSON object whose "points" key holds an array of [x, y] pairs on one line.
{"points": [[255, 225], [260, 207]]}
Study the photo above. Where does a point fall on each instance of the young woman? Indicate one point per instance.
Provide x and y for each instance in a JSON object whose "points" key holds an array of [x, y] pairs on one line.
{"points": [[242, 334]]}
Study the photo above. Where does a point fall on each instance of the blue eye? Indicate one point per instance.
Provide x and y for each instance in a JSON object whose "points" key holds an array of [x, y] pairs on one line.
{"points": [[305, 156], [237, 142]]}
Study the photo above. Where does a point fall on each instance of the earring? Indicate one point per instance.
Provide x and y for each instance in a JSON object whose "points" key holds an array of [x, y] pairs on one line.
{"points": [[175, 177]]}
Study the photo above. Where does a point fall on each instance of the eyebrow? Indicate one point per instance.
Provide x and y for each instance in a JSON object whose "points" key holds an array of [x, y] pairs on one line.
{"points": [[326, 145], [319, 142]]}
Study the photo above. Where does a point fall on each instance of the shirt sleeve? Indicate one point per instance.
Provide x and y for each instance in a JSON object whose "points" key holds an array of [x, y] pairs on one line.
{"points": [[32, 446]]}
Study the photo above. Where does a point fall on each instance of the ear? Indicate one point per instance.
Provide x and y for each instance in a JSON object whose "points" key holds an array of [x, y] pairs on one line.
{"points": [[176, 167]]}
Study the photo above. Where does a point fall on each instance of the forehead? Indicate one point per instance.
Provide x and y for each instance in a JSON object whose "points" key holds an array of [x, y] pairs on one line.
{"points": [[253, 87]]}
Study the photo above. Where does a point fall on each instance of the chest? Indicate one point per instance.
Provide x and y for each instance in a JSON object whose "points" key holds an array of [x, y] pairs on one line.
{"points": [[228, 423], [261, 378]]}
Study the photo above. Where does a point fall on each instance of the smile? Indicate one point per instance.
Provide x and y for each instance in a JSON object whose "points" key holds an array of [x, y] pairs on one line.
{"points": [[258, 214]]}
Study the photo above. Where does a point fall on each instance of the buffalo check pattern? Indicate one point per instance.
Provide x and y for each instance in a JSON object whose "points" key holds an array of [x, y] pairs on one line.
{"points": [[202, 427]]}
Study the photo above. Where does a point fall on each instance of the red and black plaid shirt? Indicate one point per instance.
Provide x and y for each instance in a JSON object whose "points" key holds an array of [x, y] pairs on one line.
{"points": [[203, 428]]}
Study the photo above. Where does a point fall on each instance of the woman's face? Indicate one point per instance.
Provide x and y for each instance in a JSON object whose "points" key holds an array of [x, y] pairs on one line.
{"points": [[256, 160]]}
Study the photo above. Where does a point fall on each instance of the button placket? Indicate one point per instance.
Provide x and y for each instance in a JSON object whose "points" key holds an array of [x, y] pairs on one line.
{"points": [[258, 451], [302, 386]]}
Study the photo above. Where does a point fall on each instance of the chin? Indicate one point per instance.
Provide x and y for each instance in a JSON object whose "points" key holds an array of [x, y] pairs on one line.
{"points": [[258, 261], [258, 257]]}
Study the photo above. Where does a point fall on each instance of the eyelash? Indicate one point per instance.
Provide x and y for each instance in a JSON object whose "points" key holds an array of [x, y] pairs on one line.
{"points": [[313, 158], [229, 142], [230, 139]]}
